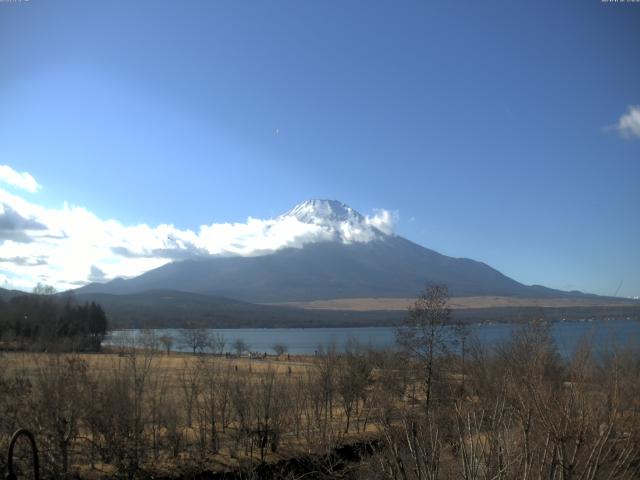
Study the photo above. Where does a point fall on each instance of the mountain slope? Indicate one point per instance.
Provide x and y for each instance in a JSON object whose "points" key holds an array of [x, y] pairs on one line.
{"points": [[340, 254], [6, 295], [390, 267], [333, 253]]}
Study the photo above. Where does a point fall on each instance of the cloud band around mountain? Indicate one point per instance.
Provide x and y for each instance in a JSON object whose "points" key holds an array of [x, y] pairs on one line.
{"points": [[70, 246]]}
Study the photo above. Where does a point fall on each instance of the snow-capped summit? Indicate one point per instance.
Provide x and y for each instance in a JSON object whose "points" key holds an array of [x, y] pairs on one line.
{"points": [[319, 211], [340, 221]]}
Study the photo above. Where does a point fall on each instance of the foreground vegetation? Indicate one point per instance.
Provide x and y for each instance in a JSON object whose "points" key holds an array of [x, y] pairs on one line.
{"points": [[516, 410]]}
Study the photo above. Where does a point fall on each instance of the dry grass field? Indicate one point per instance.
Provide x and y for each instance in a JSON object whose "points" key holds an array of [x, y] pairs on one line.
{"points": [[390, 304], [171, 365], [179, 412], [496, 413]]}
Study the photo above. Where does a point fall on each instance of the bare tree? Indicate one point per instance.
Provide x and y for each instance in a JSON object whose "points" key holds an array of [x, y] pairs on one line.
{"points": [[167, 342], [269, 400], [158, 407], [190, 380], [323, 385], [223, 398], [149, 340], [462, 331], [217, 342], [424, 332], [279, 348], [240, 395], [196, 339], [354, 377], [117, 412], [42, 289], [240, 346], [59, 406], [208, 402]]}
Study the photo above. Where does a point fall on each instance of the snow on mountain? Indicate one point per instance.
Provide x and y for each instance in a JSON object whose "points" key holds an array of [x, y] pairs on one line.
{"points": [[321, 211], [341, 222], [312, 222]]}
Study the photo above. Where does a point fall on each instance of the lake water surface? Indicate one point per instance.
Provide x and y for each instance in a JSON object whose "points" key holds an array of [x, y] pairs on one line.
{"points": [[603, 333]]}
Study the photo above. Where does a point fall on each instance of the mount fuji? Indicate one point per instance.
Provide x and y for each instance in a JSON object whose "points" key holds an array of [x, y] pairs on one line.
{"points": [[334, 253]]}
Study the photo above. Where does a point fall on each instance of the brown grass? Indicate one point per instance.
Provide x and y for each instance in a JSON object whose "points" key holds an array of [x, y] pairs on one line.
{"points": [[170, 367], [373, 304]]}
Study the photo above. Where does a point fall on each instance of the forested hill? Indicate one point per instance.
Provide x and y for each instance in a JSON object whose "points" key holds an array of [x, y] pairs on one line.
{"points": [[41, 321], [174, 309], [82, 314]]}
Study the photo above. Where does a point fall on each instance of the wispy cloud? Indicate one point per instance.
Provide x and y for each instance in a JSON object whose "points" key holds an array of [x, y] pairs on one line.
{"points": [[24, 261], [22, 180], [629, 123]]}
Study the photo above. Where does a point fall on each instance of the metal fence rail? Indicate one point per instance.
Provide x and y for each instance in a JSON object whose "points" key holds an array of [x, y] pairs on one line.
{"points": [[34, 454]]}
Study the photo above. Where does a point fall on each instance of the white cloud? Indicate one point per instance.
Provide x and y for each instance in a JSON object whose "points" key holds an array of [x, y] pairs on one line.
{"points": [[22, 180], [629, 124], [383, 220], [256, 237], [69, 246]]}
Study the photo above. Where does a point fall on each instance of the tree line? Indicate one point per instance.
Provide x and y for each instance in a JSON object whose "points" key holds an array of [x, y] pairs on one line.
{"points": [[42, 319]]}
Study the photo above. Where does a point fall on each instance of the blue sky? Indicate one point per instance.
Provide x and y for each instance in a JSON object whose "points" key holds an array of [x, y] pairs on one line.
{"points": [[490, 128]]}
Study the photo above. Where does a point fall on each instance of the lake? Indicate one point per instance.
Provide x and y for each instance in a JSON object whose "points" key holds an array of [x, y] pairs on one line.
{"points": [[604, 334]]}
